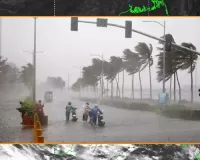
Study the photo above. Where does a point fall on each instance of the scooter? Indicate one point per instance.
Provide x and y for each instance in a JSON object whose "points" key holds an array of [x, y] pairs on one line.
{"points": [[74, 118], [101, 122], [85, 117]]}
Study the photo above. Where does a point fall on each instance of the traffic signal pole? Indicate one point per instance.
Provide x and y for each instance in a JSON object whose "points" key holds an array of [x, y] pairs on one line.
{"points": [[144, 34]]}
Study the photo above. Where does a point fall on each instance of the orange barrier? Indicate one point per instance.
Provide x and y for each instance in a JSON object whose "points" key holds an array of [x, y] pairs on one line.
{"points": [[38, 138]]}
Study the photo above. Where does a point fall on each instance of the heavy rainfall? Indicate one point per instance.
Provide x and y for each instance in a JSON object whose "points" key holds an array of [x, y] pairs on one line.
{"points": [[44, 59]]}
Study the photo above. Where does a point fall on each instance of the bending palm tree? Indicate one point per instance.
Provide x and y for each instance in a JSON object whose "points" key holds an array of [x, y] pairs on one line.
{"points": [[145, 53]]}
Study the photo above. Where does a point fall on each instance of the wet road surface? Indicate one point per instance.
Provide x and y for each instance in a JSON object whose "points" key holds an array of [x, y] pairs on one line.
{"points": [[10, 119], [121, 126]]}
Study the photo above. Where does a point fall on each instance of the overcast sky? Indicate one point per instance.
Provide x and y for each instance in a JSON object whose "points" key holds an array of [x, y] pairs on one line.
{"points": [[64, 49]]}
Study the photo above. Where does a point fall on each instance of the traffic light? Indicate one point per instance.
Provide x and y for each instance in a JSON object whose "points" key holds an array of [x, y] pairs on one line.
{"points": [[168, 46], [102, 22], [128, 29], [74, 24]]}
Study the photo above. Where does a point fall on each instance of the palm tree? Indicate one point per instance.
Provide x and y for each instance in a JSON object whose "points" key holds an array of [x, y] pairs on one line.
{"points": [[116, 63], [112, 70], [2, 70], [172, 65], [133, 64], [145, 53], [89, 78], [26, 75], [108, 70], [97, 71], [188, 61]]}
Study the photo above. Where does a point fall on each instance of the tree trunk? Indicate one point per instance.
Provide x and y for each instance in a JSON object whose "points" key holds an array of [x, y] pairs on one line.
{"points": [[117, 87], [140, 85], [191, 76], [116, 90], [174, 87], [111, 90], [170, 88], [179, 86], [97, 87], [123, 84], [150, 83], [100, 87], [133, 95], [107, 88]]}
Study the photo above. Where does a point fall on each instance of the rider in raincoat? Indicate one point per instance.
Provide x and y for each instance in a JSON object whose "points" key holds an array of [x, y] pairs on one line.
{"points": [[94, 113], [68, 110]]}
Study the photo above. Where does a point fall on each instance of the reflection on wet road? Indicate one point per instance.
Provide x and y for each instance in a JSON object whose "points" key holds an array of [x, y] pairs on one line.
{"points": [[121, 126]]}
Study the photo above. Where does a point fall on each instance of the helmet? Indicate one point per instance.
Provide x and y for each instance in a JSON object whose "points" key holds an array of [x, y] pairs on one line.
{"points": [[87, 103], [69, 103], [96, 105], [40, 101]]}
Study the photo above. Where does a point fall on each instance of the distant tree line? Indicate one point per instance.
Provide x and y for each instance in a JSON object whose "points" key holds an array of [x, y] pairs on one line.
{"points": [[134, 62], [9, 74]]}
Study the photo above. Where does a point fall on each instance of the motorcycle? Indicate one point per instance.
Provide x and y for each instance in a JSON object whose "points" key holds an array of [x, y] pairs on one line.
{"points": [[85, 117], [74, 117], [101, 122]]}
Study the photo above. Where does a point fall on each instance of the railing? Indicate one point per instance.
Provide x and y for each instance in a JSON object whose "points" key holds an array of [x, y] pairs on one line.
{"points": [[37, 131]]}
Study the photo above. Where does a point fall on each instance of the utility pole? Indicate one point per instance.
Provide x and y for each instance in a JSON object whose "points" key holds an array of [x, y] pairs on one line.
{"points": [[34, 63], [164, 51], [164, 55]]}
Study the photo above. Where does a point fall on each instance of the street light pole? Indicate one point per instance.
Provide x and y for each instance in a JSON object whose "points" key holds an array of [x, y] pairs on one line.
{"points": [[164, 55], [34, 63], [164, 52]]}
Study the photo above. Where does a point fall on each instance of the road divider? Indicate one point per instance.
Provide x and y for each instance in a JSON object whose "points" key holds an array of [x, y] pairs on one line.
{"points": [[37, 132]]}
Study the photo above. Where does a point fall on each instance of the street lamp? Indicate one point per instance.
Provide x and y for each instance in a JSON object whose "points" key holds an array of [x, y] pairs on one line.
{"points": [[79, 67], [164, 53], [102, 73], [34, 59]]}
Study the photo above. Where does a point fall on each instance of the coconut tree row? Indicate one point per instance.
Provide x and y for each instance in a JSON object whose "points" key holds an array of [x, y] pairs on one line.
{"points": [[134, 62]]}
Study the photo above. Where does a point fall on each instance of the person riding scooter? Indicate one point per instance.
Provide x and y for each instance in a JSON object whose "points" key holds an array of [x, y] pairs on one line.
{"points": [[87, 111], [68, 110], [94, 113]]}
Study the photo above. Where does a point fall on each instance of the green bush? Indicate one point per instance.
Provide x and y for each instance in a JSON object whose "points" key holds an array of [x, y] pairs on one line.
{"points": [[28, 107], [182, 112], [173, 110]]}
